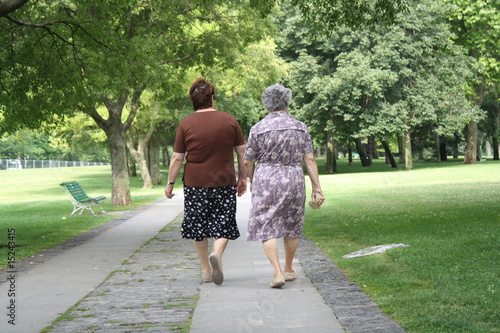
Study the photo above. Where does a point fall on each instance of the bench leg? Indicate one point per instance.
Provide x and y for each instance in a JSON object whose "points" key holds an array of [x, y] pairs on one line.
{"points": [[76, 209], [79, 208]]}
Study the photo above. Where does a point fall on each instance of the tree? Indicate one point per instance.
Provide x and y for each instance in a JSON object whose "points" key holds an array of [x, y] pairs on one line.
{"points": [[385, 80], [476, 24], [491, 125], [239, 88], [326, 15], [80, 139], [81, 56], [139, 137], [26, 144]]}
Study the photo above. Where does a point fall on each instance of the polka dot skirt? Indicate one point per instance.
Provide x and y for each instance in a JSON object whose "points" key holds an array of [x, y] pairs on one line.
{"points": [[209, 212]]}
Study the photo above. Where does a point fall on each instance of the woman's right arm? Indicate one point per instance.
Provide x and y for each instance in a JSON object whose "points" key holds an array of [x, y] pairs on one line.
{"points": [[249, 166], [175, 166]]}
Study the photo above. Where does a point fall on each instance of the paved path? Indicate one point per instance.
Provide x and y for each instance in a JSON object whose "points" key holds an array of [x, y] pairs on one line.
{"points": [[135, 274]]}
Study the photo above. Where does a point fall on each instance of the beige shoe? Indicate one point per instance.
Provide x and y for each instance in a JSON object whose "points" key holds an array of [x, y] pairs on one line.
{"points": [[290, 276], [278, 281], [206, 277], [217, 274]]}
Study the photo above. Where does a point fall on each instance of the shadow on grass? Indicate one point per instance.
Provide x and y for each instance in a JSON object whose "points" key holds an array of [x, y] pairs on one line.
{"points": [[379, 165]]}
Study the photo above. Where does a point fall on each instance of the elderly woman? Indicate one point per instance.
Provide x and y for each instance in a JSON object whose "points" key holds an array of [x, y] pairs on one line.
{"points": [[208, 137], [279, 143]]}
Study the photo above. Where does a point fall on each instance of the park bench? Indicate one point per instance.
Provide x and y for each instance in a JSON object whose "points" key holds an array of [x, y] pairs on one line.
{"points": [[80, 199]]}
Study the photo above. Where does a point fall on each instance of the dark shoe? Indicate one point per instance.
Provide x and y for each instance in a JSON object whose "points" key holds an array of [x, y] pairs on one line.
{"points": [[278, 281], [217, 274]]}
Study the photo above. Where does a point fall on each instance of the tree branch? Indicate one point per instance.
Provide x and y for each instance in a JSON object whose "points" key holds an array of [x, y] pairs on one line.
{"points": [[46, 26], [152, 124], [180, 59], [134, 105], [100, 121], [8, 6]]}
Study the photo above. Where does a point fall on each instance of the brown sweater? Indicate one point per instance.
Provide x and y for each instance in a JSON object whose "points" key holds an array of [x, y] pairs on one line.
{"points": [[209, 139]]}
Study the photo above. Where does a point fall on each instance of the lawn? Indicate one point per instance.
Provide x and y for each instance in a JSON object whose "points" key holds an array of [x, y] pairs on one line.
{"points": [[33, 203], [447, 279]]}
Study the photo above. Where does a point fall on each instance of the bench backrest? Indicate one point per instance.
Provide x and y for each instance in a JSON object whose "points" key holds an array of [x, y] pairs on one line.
{"points": [[76, 191]]}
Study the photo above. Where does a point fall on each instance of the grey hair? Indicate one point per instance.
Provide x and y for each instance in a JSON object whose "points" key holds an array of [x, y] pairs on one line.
{"points": [[276, 98]]}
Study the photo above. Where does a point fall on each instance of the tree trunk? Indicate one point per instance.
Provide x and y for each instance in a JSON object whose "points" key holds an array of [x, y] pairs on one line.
{"points": [[438, 148], [389, 154], [487, 145], [361, 151], [401, 149], [116, 131], [494, 140], [120, 194], [455, 149], [166, 156], [139, 155], [154, 160], [349, 152], [495, 147], [375, 154], [471, 149], [132, 168], [331, 164], [369, 152], [407, 150], [442, 153]]}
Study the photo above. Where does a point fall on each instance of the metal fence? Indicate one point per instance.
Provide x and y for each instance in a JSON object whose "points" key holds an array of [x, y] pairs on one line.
{"points": [[40, 164]]}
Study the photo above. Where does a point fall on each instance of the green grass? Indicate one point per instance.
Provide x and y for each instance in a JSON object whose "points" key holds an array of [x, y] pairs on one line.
{"points": [[447, 279], [33, 203]]}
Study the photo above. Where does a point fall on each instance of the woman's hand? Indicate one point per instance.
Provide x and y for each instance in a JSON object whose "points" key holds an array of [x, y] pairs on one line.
{"points": [[318, 198], [168, 191], [241, 186]]}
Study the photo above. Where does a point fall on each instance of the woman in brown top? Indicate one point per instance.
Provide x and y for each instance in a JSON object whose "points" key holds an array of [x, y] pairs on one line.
{"points": [[207, 139]]}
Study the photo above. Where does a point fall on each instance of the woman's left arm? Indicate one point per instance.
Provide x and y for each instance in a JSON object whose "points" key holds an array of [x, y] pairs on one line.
{"points": [[312, 171], [242, 173]]}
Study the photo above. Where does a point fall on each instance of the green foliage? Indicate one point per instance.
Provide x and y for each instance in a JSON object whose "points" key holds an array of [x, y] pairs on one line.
{"points": [[239, 88], [326, 15], [80, 139], [383, 80], [28, 144], [477, 27], [63, 56]]}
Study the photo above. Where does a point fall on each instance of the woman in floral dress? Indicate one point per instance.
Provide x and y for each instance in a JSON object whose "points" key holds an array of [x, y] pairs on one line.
{"points": [[279, 144]]}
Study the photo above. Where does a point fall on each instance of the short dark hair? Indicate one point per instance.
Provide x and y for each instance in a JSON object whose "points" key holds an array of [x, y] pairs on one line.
{"points": [[201, 93]]}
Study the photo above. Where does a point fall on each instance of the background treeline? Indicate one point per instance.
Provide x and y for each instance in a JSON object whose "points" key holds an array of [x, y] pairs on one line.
{"points": [[107, 80]]}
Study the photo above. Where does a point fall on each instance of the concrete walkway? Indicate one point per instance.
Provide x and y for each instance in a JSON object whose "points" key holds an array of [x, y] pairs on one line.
{"points": [[246, 303], [136, 275]]}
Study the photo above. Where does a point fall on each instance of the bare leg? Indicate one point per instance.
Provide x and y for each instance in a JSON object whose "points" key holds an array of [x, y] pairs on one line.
{"points": [[216, 260], [270, 246], [202, 250], [291, 245], [220, 245]]}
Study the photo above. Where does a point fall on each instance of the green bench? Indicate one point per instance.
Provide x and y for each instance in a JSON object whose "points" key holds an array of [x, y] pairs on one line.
{"points": [[80, 199]]}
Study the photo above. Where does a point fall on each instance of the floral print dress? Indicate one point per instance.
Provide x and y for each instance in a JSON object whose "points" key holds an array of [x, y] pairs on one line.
{"points": [[278, 144]]}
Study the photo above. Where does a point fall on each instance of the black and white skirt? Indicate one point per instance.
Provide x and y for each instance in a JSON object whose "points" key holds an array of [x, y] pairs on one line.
{"points": [[210, 212]]}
